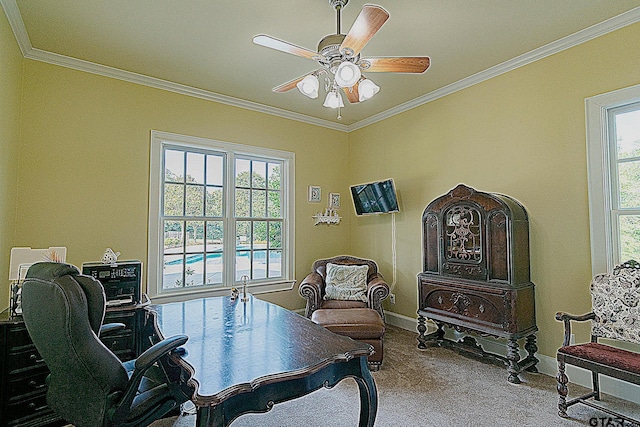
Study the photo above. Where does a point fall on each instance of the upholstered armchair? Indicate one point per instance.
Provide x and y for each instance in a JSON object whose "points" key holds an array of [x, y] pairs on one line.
{"points": [[313, 287]]}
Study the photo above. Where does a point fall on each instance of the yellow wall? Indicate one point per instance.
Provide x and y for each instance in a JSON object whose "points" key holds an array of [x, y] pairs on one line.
{"points": [[84, 166], [521, 134], [10, 86]]}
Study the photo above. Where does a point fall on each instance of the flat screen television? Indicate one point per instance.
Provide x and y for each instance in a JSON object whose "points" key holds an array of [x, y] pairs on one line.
{"points": [[375, 197]]}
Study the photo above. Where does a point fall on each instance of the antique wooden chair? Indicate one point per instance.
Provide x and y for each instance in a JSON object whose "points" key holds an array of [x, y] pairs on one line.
{"points": [[615, 316]]}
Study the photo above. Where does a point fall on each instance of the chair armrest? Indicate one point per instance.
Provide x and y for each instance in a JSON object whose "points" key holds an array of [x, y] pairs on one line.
{"points": [[567, 318], [311, 289], [146, 360], [377, 291], [111, 328], [158, 350]]}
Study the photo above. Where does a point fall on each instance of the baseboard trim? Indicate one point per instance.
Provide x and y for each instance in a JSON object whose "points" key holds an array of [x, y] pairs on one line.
{"points": [[546, 366]]}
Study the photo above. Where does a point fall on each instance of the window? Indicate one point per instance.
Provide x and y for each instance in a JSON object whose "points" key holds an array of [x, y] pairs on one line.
{"points": [[624, 125], [219, 214], [613, 148]]}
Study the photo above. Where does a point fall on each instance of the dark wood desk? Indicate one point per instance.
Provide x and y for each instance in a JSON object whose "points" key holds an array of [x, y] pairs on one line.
{"points": [[247, 356]]}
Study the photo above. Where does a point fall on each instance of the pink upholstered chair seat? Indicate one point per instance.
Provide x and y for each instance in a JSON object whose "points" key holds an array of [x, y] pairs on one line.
{"points": [[604, 354]]}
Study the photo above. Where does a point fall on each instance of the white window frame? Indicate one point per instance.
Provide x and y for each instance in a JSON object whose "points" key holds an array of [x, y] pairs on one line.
{"points": [[604, 238], [161, 139]]}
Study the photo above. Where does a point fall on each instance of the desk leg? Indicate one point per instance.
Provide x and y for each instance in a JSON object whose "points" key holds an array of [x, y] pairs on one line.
{"points": [[210, 417], [262, 398], [202, 417], [368, 395]]}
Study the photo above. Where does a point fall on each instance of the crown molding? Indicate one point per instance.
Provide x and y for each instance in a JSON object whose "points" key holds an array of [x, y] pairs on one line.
{"points": [[28, 51], [17, 25], [106, 71], [617, 22]]}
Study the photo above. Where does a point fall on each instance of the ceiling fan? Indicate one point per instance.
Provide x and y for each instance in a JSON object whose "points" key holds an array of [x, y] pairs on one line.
{"points": [[340, 60]]}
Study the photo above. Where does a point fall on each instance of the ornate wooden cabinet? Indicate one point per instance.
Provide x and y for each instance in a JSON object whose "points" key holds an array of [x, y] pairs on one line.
{"points": [[476, 275]]}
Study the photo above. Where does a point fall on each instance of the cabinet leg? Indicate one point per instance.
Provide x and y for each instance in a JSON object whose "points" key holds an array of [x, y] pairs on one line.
{"points": [[422, 328], [440, 332], [513, 357], [532, 348], [429, 340]]}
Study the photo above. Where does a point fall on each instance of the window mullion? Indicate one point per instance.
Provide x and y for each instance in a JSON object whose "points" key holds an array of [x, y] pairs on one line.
{"points": [[229, 255]]}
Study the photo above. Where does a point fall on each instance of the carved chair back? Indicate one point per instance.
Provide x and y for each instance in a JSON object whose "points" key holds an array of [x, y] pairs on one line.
{"points": [[615, 299]]}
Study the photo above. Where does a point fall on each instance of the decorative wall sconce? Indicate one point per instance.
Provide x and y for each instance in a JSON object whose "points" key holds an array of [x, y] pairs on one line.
{"points": [[328, 217]]}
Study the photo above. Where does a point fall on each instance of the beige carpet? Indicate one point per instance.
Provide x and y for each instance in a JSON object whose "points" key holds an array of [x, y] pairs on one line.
{"points": [[433, 387]]}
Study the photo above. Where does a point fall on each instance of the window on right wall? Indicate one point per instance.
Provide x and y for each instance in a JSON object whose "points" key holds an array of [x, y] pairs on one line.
{"points": [[613, 150]]}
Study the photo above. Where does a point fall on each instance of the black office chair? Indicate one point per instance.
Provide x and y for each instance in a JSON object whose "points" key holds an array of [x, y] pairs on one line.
{"points": [[88, 385]]}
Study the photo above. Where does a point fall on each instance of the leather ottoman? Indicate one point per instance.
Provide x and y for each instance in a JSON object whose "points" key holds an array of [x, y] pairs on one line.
{"points": [[361, 324]]}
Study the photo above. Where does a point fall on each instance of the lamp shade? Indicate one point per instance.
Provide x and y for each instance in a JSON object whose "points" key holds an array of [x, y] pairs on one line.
{"points": [[347, 74], [366, 89], [333, 100], [309, 86]]}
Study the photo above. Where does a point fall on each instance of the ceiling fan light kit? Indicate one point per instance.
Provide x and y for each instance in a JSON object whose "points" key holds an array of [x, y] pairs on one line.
{"points": [[339, 57], [333, 100], [366, 89], [347, 74], [309, 86]]}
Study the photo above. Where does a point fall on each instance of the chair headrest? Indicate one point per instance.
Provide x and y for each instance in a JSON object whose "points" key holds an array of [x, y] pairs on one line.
{"points": [[50, 271]]}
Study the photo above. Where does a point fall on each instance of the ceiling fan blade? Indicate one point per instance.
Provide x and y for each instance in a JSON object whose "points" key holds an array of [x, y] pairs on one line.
{"points": [[407, 64], [273, 43], [285, 87], [365, 26], [352, 93]]}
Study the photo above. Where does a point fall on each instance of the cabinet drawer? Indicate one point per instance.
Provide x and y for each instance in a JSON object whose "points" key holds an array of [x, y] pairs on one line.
{"points": [[18, 336], [23, 358], [118, 343], [19, 385], [122, 342], [490, 309], [46, 418], [28, 409], [126, 317]]}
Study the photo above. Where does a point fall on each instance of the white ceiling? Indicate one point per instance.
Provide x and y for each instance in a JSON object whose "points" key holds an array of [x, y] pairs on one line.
{"points": [[204, 47]]}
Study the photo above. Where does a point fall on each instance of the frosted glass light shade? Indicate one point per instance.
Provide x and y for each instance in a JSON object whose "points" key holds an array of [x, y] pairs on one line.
{"points": [[309, 86], [366, 89], [347, 74], [333, 100]]}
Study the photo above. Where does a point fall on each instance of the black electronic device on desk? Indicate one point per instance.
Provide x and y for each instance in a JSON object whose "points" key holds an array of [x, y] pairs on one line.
{"points": [[121, 281]]}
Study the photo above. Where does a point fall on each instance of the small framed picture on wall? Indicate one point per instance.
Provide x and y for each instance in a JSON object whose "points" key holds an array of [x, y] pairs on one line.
{"points": [[315, 193], [334, 200]]}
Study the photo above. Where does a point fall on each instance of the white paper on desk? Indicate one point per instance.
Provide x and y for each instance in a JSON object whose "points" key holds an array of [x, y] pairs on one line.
{"points": [[21, 257]]}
